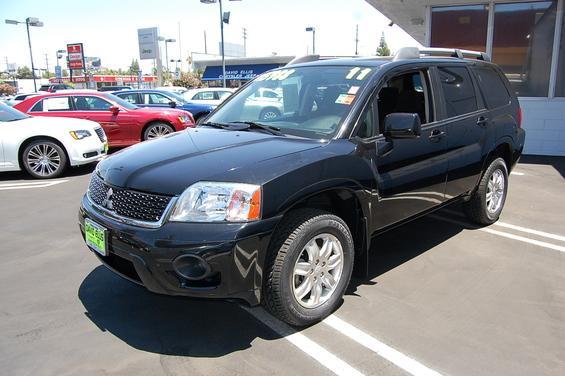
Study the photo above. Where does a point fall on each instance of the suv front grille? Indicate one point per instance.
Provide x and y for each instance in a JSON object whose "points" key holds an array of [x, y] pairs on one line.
{"points": [[127, 203], [101, 134]]}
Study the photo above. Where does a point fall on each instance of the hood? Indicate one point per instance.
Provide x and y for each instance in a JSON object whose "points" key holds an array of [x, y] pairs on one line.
{"points": [[171, 164]]}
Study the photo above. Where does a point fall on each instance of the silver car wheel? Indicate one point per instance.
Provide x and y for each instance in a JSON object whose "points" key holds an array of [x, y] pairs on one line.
{"points": [[270, 115], [157, 131], [43, 159], [495, 191], [317, 271]]}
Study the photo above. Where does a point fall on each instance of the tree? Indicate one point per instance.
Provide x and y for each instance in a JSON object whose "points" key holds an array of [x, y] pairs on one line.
{"points": [[6, 89], [46, 74], [134, 67], [24, 72], [188, 80], [383, 49]]}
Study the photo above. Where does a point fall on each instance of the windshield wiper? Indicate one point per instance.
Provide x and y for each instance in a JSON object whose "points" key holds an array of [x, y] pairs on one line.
{"points": [[217, 125], [253, 125]]}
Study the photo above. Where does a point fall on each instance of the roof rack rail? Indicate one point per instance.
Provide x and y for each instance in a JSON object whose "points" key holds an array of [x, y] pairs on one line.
{"points": [[415, 52], [309, 58]]}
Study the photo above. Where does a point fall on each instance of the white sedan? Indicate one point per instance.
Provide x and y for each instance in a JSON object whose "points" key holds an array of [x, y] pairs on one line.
{"points": [[208, 95], [45, 146]]}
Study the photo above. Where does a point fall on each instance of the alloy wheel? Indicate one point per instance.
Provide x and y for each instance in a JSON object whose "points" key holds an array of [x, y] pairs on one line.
{"points": [[157, 131], [44, 160], [495, 191]]}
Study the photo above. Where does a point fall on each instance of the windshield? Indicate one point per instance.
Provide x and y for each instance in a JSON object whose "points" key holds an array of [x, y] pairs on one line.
{"points": [[121, 102], [8, 113], [308, 101]]}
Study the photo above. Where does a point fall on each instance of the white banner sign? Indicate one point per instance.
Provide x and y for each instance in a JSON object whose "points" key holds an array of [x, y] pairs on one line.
{"points": [[148, 47]]}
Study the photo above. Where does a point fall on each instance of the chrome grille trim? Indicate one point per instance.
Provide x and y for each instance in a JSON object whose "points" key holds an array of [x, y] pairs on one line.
{"points": [[94, 196], [100, 133]]}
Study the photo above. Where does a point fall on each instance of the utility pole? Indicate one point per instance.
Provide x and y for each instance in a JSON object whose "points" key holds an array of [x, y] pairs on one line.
{"points": [[223, 50], [205, 44], [47, 65], [244, 42], [357, 40], [180, 49]]}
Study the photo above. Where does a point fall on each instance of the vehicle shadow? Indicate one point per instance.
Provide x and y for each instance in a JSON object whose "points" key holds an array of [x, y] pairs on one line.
{"points": [[204, 328], [402, 244]]}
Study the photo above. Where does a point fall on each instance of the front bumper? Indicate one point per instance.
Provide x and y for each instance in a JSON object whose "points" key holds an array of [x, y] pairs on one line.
{"points": [[235, 253], [86, 151]]}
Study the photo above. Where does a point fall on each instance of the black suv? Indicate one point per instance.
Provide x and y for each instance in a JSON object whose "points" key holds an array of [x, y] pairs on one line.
{"points": [[277, 210]]}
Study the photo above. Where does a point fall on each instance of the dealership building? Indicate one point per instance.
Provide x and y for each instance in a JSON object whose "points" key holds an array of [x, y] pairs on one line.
{"points": [[526, 38]]}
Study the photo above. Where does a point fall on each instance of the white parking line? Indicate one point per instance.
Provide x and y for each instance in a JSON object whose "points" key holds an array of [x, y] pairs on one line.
{"points": [[311, 348], [503, 234], [517, 173], [515, 227], [394, 356], [31, 184]]}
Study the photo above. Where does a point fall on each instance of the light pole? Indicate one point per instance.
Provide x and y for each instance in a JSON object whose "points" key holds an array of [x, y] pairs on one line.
{"points": [[59, 55], [30, 21], [222, 20], [169, 40], [313, 30]]}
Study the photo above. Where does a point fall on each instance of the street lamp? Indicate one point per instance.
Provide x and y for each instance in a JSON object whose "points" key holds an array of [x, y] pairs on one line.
{"points": [[169, 40], [223, 18], [30, 21], [313, 30]]}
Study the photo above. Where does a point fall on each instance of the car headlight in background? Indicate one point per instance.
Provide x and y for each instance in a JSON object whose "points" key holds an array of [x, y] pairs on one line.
{"points": [[185, 119], [218, 202], [80, 134]]}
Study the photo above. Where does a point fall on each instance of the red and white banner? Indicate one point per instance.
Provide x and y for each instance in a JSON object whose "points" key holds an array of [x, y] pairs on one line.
{"points": [[75, 52]]}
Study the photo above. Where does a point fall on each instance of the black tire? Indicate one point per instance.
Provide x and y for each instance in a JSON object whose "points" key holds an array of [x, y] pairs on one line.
{"points": [[156, 130], [296, 230], [269, 114], [476, 208], [53, 155]]}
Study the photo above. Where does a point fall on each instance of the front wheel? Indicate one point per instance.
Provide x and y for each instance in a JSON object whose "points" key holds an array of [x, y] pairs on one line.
{"points": [[269, 114], [157, 130], [309, 266], [44, 159], [487, 202]]}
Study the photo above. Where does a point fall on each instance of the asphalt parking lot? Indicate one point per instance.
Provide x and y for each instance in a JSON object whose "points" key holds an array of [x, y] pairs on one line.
{"points": [[443, 297]]}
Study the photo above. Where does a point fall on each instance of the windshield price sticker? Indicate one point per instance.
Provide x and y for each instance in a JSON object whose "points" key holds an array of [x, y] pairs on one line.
{"points": [[346, 99], [359, 77], [277, 75]]}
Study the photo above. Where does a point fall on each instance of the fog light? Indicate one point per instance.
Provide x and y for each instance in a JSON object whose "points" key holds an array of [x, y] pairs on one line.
{"points": [[191, 267]]}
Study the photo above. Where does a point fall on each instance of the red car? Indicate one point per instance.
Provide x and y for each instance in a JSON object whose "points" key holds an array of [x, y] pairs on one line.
{"points": [[124, 123]]}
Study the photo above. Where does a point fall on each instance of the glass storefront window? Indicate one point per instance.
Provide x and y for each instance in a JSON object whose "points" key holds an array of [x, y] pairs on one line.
{"points": [[560, 84], [469, 21], [523, 44]]}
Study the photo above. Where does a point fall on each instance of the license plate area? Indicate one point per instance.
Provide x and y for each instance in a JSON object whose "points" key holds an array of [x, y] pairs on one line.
{"points": [[96, 236]]}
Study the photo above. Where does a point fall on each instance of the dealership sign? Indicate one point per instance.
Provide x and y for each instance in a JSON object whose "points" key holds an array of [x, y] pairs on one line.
{"points": [[148, 43], [75, 53]]}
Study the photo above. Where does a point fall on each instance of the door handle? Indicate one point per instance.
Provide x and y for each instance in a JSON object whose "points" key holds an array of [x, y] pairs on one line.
{"points": [[436, 135], [482, 121]]}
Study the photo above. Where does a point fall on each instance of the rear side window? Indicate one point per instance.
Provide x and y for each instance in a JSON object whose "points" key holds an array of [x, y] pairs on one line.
{"points": [[458, 90], [52, 104], [129, 97], [492, 86]]}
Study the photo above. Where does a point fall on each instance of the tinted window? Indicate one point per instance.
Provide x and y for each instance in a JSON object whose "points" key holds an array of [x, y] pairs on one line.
{"points": [[470, 21], [8, 113], [84, 103], [458, 90], [492, 86], [560, 89], [154, 98], [367, 128], [129, 97]]}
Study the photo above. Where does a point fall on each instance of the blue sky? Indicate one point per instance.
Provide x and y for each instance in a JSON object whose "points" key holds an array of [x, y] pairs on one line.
{"points": [[108, 28]]}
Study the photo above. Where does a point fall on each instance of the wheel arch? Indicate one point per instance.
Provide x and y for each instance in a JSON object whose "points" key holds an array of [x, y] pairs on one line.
{"points": [[154, 121]]}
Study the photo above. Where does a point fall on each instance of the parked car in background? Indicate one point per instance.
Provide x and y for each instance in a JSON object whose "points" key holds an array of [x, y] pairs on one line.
{"points": [[162, 98], [51, 88], [20, 97], [278, 211], [46, 146], [265, 104], [114, 88], [209, 95], [173, 89], [124, 123]]}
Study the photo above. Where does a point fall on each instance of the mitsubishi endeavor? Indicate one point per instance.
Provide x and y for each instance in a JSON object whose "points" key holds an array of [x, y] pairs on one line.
{"points": [[278, 211]]}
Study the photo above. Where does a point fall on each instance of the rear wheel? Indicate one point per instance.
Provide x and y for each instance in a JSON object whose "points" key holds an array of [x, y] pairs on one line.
{"points": [[44, 159], [269, 114], [157, 130], [487, 202], [309, 266]]}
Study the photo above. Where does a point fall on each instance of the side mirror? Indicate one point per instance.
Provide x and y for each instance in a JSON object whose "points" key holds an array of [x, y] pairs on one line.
{"points": [[172, 104], [402, 125], [114, 110]]}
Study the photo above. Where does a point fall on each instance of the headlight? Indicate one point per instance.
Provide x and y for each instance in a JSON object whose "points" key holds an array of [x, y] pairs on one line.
{"points": [[184, 119], [218, 202], [79, 135]]}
